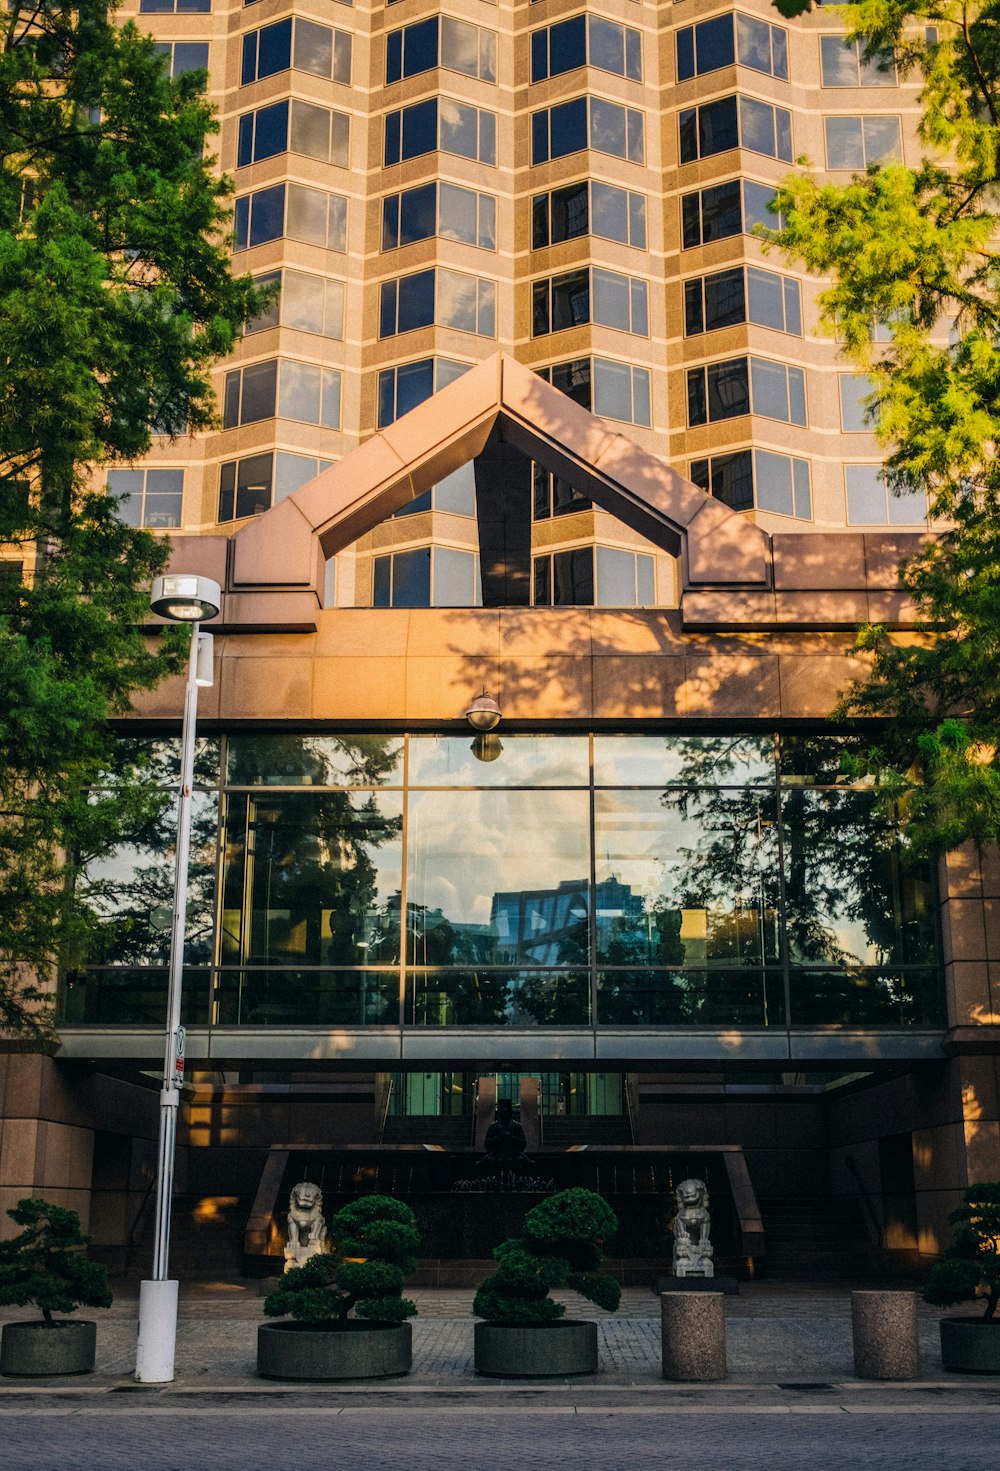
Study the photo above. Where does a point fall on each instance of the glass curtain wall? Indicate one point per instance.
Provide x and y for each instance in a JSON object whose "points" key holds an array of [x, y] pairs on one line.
{"points": [[563, 881]]}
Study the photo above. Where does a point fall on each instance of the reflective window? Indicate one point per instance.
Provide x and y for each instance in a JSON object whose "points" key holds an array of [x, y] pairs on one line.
{"points": [[290, 389], [588, 207], [739, 205], [857, 415], [870, 502], [856, 142], [441, 209], [613, 390], [623, 579], [586, 122], [184, 56], [312, 215], [440, 122], [298, 43], [563, 579], [441, 41], [449, 298], [593, 294], [725, 39], [148, 497], [175, 7], [305, 302], [245, 487], [844, 65], [740, 294], [403, 387], [725, 390], [586, 40], [553, 496], [427, 577], [745, 478], [295, 127], [735, 122]]}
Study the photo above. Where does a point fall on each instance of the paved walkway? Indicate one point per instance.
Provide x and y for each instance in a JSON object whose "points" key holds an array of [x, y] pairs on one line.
{"points": [[789, 1340]]}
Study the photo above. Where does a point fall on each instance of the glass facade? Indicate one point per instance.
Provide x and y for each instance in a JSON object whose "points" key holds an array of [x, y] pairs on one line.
{"points": [[576, 880]]}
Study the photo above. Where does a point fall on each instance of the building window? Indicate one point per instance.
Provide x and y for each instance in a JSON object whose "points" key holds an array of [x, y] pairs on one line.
{"points": [[725, 39], [148, 497], [742, 294], [856, 416], [588, 208], [427, 577], [624, 579], [553, 496], [292, 210], [175, 7], [447, 298], [440, 123], [586, 40], [441, 41], [455, 495], [612, 390], [403, 387], [735, 122], [252, 485], [293, 127], [305, 302], [284, 388], [605, 577], [871, 503], [843, 64], [590, 295], [856, 142], [739, 386], [439, 209], [299, 44], [735, 207], [184, 56], [563, 579], [587, 122], [745, 478]]}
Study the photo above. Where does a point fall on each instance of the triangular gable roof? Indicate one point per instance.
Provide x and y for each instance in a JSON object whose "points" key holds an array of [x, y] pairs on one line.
{"points": [[285, 546]]}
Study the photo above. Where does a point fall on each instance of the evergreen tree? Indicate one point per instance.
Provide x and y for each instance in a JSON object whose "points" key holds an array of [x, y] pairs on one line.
{"points": [[116, 296], [914, 297]]}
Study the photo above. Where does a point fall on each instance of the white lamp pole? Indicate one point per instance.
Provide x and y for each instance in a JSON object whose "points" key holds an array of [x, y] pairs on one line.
{"points": [[182, 599]]}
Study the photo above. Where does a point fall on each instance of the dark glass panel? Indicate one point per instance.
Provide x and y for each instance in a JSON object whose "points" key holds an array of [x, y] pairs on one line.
{"points": [[416, 301], [271, 135], [567, 45], [267, 220], [878, 996], [685, 54], [728, 389], [419, 128], [570, 212], [725, 299], [732, 480], [568, 127], [308, 998], [491, 998], [720, 211], [743, 997], [570, 300], [274, 52], [420, 47], [127, 996], [253, 485], [717, 127], [714, 43]]}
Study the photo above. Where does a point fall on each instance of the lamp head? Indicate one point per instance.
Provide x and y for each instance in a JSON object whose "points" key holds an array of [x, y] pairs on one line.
{"points": [[484, 712], [183, 597]]}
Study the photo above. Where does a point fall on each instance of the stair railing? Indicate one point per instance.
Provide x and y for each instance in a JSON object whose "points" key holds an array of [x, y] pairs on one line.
{"points": [[384, 1108], [632, 1107], [872, 1222]]}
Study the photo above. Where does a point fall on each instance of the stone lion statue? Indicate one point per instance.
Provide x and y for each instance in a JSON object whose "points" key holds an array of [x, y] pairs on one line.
{"points": [[306, 1224], [692, 1249]]}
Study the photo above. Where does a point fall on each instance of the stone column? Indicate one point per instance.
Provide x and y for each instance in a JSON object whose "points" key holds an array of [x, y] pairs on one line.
{"points": [[885, 1335], [693, 1328]]}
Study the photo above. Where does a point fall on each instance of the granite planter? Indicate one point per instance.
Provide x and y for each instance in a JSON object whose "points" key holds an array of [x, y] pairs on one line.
{"points": [[63, 1347], [971, 1345], [535, 1350], [357, 1349]]}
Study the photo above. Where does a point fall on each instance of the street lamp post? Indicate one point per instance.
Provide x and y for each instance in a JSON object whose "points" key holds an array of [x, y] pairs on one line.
{"points": [[182, 599]]}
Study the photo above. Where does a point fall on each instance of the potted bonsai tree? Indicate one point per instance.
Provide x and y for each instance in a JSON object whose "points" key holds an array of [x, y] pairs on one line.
{"points": [[374, 1245], [970, 1268], [525, 1333], [46, 1267]]}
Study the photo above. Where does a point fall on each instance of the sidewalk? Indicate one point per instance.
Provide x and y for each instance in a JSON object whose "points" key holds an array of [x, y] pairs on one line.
{"points": [[795, 1339]]}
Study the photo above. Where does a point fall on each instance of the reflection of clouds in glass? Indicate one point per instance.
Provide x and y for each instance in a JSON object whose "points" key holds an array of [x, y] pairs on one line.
{"points": [[466, 847], [543, 761]]}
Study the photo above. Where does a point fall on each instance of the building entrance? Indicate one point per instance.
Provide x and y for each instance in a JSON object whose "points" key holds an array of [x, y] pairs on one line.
{"points": [[453, 1094]]}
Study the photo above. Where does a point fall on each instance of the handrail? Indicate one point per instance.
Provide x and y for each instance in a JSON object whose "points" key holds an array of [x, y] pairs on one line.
{"points": [[631, 1108], [385, 1109], [871, 1218]]}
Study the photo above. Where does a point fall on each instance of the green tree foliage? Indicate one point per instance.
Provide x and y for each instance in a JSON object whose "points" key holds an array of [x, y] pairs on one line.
{"points": [[971, 1265], [46, 1265], [375, 1241], [116, 296], [561, 1247], [911, 250]]}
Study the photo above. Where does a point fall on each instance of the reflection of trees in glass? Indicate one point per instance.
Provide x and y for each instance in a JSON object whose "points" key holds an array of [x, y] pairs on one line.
{"points": [[350, 760], [302, 878]]}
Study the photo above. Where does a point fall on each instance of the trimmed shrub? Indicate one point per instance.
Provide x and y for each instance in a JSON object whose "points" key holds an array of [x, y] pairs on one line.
{"points": [[46, 1266], [971, 1265]]}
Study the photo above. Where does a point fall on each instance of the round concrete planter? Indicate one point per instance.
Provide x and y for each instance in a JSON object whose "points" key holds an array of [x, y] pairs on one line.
{"points": [[971, 1345], [536, 1350], [357, 1349], [67, 1347]]}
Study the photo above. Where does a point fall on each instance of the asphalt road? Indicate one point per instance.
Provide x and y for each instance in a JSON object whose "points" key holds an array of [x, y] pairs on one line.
{"points": [[235, 1433]]}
